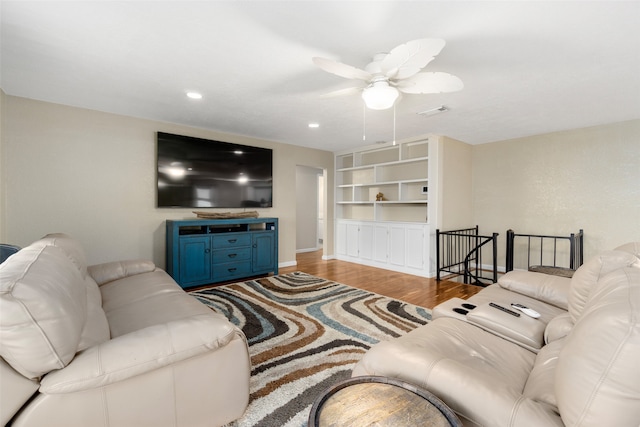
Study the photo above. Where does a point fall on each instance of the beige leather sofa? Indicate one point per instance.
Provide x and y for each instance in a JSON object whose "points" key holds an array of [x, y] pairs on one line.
{"points": [[117, 344], [577, 365]]}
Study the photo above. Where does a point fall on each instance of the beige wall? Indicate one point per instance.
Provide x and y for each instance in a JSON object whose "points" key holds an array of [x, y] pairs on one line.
{"points": [[92, 175], [3, 201], [456, 163], [561, 182]]}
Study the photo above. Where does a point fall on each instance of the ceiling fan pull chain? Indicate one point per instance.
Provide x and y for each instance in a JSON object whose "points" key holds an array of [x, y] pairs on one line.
{"points": [[364, 122], [394, 124]]}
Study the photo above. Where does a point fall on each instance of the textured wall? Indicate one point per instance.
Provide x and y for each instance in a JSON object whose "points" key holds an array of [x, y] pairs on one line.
{"points": [[92, 175], [558, 183]]}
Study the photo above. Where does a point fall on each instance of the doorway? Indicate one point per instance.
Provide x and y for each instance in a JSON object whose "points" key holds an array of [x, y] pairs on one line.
{"points": [[310, 208]]}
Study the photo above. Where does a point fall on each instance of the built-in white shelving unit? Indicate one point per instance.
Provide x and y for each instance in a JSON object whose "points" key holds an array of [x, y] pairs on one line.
{"points": [[398, 232], [393, 231], [400, 172]]}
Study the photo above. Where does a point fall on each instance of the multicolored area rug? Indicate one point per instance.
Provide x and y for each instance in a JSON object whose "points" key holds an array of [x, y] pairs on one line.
{"points": [[305, 334]]}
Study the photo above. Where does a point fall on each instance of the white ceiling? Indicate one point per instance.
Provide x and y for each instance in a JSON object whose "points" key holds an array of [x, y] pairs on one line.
{"points": [[529, 67]]}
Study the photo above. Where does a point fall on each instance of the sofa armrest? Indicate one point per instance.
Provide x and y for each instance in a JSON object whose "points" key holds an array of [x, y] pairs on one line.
{"points": [[140, 352], [558, 328], [110, 271], [547, 288]]}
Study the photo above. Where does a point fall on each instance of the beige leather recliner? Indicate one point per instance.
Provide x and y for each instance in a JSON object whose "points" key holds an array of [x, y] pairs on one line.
{"points": [[117, 344], [577, 365]]}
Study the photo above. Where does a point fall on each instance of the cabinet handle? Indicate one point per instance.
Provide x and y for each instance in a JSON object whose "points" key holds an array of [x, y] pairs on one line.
{"points": [[206, 251], [232, 240], [232, 255], [231, 270]]}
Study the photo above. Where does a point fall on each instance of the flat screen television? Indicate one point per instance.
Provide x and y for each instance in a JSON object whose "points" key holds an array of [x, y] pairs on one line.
{"points": [[201, 173]]}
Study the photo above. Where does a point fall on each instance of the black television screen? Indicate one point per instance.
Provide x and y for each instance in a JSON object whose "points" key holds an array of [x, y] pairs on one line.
{"points": [[202, 173]]}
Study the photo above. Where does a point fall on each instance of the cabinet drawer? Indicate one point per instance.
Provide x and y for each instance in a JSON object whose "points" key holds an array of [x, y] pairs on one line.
{"points": [[231, 270], [231, 240], [231, 255]]}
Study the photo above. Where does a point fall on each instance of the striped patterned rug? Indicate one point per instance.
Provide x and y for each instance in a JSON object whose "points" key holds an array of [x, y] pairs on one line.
{"points": [[305, 334]]}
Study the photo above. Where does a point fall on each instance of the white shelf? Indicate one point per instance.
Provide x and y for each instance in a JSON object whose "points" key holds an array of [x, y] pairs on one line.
{"points": [[400, 202]]}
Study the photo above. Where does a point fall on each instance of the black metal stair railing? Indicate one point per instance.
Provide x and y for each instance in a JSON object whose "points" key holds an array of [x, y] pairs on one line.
{"points": [[459, 252], [476, 255], [543, 249]]}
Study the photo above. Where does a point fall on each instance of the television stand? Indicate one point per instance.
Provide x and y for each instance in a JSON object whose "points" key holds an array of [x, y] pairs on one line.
{"points": [[204, 251]]}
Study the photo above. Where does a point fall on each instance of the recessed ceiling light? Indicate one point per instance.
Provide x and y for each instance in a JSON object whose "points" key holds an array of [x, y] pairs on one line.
{"points": [[194, 95], [314, 125]]}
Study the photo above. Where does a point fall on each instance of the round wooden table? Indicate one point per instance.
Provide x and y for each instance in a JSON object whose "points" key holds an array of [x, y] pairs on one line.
{"points": [[380, 401]]}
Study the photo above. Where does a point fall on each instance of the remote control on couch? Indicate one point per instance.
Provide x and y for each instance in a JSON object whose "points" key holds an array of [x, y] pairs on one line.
{"points": [[526, 310]]}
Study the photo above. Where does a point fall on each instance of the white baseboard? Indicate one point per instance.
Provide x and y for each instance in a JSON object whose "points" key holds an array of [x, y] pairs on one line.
{"points": [[299, 251], [287, 264]]}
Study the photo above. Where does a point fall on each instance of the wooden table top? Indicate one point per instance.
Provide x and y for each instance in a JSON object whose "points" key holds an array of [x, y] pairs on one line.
{"points": [[380, 401]]}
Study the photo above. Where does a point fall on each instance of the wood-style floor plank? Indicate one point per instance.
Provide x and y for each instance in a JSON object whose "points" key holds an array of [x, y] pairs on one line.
{"points": [[425, 292]]}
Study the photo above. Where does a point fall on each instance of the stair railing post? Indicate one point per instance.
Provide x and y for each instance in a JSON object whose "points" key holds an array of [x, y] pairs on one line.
{"points": [[509, 257]]}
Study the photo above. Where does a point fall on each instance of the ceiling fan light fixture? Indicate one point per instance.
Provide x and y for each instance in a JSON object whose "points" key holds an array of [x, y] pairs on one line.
{"points": [[380, 96]]}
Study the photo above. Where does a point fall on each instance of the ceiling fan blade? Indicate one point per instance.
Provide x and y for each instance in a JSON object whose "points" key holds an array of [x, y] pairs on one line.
{"points": [[342, 92], [340, 69], [409, 58], [430, 83]]}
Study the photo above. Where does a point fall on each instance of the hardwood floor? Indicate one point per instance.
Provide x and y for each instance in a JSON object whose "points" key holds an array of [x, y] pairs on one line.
{"points": [[416, 290]]}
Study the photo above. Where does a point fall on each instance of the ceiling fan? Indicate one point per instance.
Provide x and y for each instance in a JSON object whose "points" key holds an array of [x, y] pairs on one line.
{"points": [[394, 72]]}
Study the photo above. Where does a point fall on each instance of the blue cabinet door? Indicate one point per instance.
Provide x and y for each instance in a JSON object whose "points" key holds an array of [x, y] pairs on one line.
{"points": [[195, 260], [264, 253]]}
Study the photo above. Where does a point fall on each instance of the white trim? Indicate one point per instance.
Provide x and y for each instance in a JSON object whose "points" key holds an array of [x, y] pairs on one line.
{"points": [[287, 264], [298, 251]]}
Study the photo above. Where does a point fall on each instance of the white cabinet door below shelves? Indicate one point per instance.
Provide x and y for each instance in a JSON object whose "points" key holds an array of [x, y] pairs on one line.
{"points": [[352, 240], [417, 254], [381, 243], [397, 248], [365, 241], [400, 247]]}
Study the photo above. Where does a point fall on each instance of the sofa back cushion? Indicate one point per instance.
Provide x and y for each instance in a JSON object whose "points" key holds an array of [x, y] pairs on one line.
{"points": [[631, 247], [597, 376], [96, 327], [43, 308], [69, 245], [586, 277]]}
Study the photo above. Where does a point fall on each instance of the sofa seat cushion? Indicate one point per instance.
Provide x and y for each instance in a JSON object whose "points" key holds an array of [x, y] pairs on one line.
{"points": [[148, 299], [597, 377], [462, 364], [499, 295], [43, 308], [522, 330]]}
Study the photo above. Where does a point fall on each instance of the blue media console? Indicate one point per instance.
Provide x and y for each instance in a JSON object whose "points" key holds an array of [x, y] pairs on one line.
{"points": [[204, 251]]}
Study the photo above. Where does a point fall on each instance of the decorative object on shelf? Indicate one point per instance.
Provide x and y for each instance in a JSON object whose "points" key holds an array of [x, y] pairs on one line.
{"points": [[395, 72], [226, 215], [379, 197]]}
